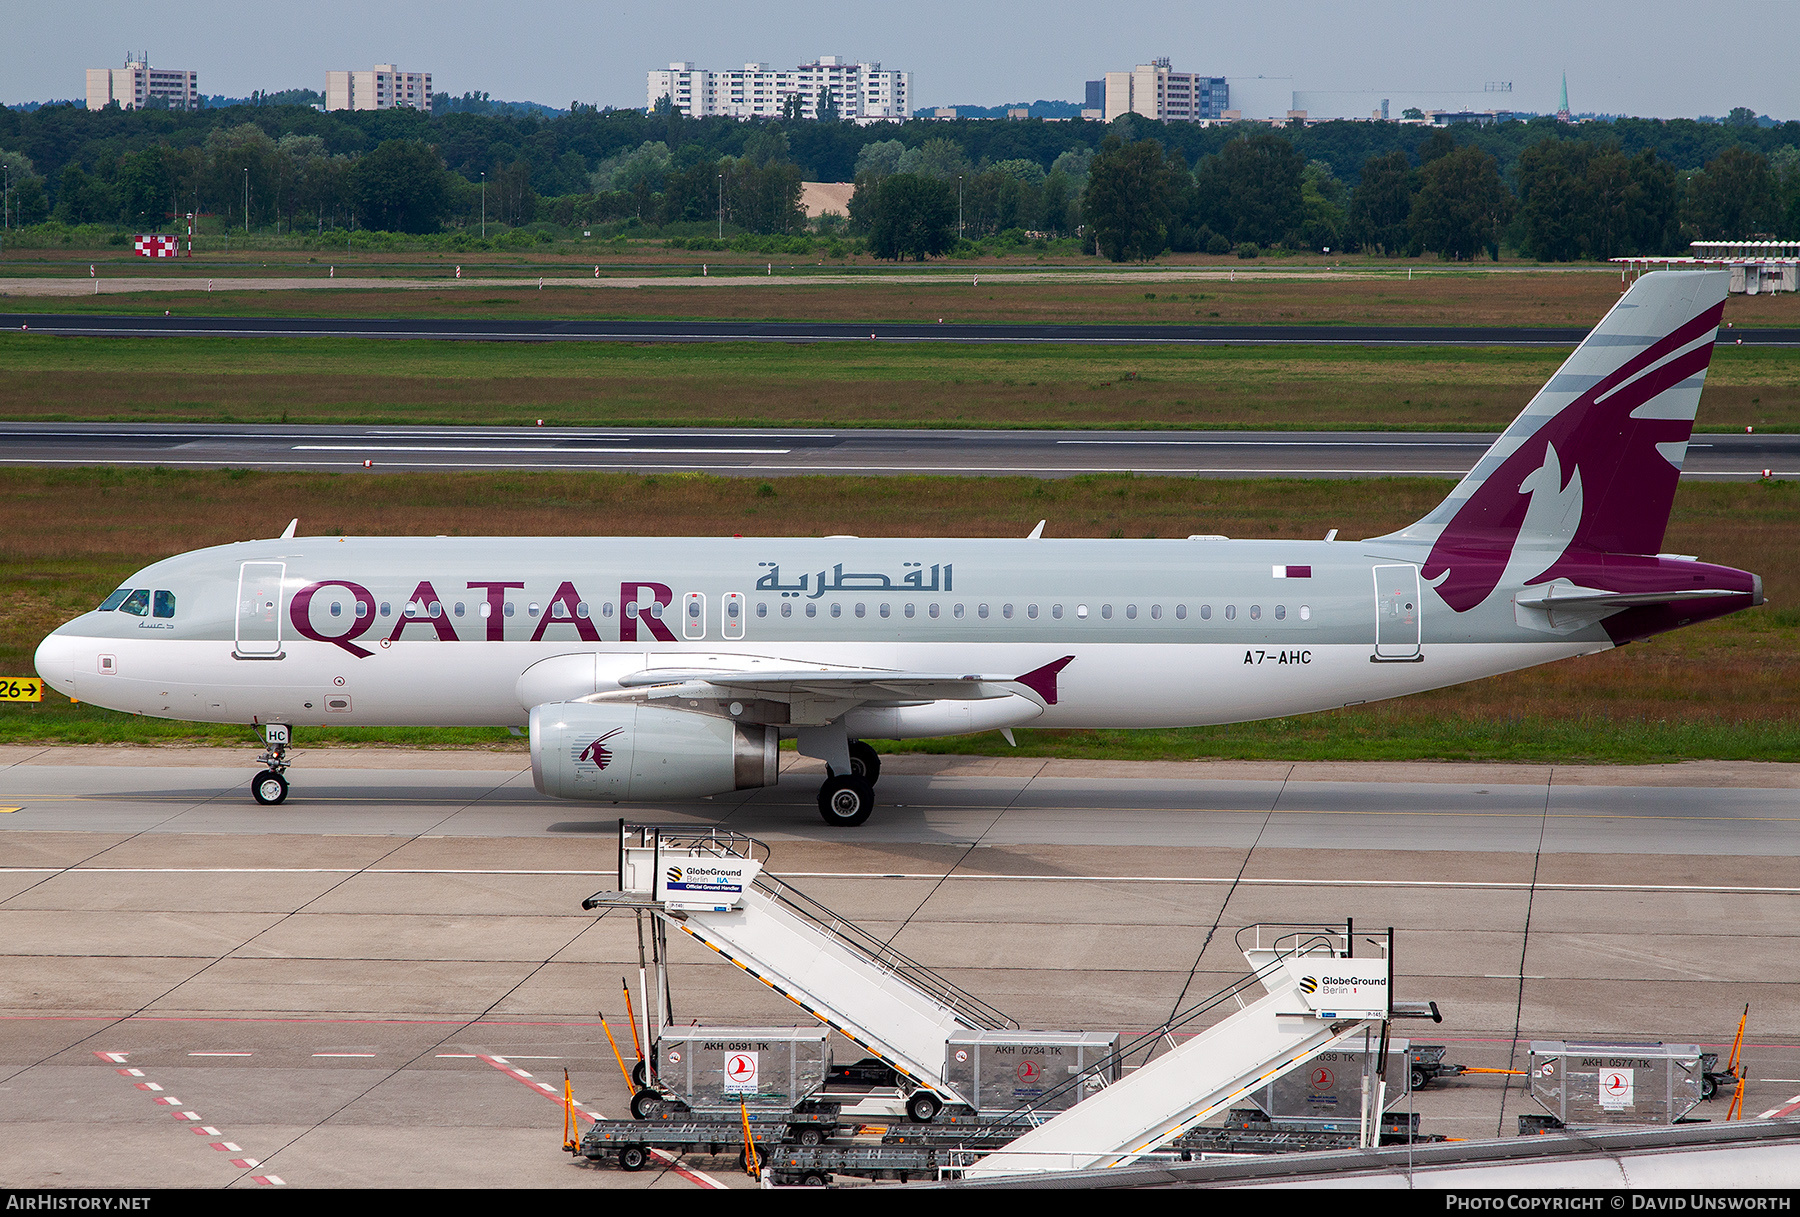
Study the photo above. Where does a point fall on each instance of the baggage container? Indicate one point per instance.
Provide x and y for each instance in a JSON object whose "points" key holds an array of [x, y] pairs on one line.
{"points": [[1587, 1084], [762, 1068], [1002, 1071]]}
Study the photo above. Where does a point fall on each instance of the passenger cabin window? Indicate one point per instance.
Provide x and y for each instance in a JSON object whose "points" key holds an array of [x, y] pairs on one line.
{"points": [[762, 610], [137, 604], [1305, 613], [1181, 612], [884, 610], [1206, 612]]}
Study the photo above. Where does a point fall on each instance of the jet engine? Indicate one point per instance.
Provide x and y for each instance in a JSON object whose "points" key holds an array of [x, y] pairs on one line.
{"points": [[631, 752]]}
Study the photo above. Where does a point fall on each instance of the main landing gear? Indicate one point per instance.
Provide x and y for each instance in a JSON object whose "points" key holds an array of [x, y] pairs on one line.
{"points": [[845, 800], [270, 786]]}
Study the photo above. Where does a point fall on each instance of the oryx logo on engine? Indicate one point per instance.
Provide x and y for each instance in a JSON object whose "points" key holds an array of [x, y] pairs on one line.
{"points": [[598, 752]]}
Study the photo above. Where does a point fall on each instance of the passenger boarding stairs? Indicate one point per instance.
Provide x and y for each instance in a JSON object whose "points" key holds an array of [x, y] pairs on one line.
{"points": [[1316, 996], [710, 885]]}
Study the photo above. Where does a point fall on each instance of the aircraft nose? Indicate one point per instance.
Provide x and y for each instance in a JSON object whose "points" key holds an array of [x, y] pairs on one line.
{"points": [[55, 661]]}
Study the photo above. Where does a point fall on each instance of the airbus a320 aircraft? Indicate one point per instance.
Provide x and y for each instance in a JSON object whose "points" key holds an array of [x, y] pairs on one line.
{"points": [[659, 669]]}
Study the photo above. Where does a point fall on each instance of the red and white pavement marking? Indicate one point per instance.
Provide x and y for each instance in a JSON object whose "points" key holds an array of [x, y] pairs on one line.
{"points": [[1786, 1109], [699, 1178], [193, 1117]]}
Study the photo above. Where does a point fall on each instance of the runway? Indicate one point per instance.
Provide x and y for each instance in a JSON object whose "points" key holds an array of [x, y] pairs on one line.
{"points": [[380, 982], [777, 452], [608, 330]]}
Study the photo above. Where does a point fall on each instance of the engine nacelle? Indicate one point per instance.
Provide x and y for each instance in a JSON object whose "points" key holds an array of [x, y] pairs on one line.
{"points": [[630, 752]]}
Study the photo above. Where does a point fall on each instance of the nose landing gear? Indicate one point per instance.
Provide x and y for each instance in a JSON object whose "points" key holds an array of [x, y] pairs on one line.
{"points": [[270, 786]]}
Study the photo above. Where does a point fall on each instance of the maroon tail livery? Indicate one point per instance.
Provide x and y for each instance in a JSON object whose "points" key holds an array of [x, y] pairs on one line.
{"points": [[1589, 468]]}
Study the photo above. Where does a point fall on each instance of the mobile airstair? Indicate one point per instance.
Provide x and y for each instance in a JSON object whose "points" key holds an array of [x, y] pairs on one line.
{"points": [[1308, 990], [710, 885], [1316, 994]]}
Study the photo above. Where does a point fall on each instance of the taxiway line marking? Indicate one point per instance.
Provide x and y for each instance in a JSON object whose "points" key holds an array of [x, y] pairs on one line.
{"points": [[1450, 884], [192, 1117], [562, 450], [1785, 1109]]}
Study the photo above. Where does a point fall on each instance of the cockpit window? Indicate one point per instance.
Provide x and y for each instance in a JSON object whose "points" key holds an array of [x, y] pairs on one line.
{"points": [[137, 604], [165, 604], [113, 601]]}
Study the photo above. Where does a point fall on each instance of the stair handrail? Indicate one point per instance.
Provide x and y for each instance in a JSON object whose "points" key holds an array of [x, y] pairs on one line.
{"points": [[1307, 939], [972, 1011]]}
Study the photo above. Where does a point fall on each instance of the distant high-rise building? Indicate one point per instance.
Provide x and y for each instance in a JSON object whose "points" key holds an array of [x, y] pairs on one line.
{"points": [[385, 87], [860, 91], [1156, 91], [133, 86]]}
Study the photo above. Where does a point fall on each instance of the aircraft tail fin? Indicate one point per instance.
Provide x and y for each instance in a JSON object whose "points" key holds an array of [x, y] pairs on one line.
{"points": [[1592, 462]]}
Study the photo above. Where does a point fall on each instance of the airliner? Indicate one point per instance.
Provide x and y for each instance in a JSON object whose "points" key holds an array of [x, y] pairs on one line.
{"points": [[660, 669]]}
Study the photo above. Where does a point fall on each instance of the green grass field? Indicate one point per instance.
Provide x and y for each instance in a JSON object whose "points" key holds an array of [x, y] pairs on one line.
{"points": [[1727, 689], [332, 380]]}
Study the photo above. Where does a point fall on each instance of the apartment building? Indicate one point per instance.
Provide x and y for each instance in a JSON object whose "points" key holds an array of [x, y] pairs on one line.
{"points": [[385, 87], [1156, 91], [862, 92], [133, 85]]}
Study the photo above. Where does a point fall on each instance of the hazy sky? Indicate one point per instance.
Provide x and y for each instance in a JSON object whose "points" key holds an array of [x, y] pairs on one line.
{"points": [[1651, 57]]}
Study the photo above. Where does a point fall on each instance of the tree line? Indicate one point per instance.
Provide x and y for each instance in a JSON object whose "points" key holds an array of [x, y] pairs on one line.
{"points": [[1131, 189]]}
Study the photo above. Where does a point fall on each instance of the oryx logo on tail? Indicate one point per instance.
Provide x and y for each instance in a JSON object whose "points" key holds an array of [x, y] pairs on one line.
{"points": [[1590, 466]]}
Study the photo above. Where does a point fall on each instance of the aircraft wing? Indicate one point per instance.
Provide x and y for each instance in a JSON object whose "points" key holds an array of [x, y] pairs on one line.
{"points": [[861, 684]]}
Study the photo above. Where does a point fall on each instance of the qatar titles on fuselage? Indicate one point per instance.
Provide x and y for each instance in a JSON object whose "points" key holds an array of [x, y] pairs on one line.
{"points": [[1548, 549]]}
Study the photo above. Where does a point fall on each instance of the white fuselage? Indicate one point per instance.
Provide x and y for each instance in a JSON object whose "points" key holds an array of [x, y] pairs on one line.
{"points": [[454, 631]]}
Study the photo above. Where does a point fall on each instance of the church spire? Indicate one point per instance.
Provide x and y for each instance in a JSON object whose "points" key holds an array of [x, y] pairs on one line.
{"points": [[1562, 113]]}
